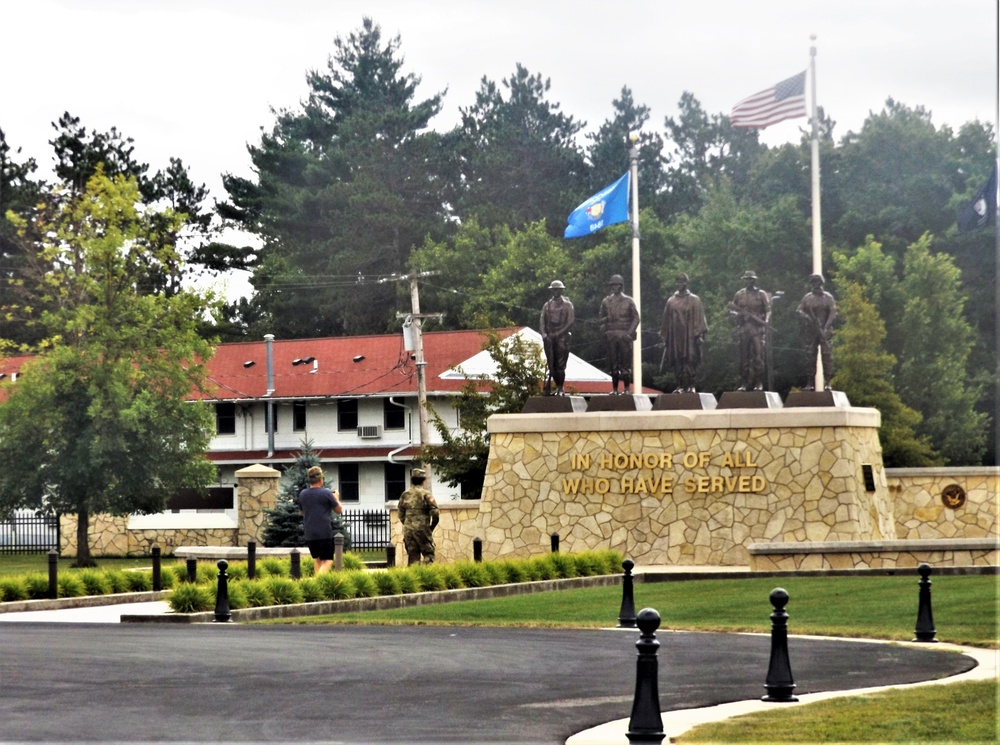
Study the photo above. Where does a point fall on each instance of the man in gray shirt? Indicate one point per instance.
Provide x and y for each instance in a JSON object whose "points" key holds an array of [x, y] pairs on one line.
{"points": [[317, 504]]}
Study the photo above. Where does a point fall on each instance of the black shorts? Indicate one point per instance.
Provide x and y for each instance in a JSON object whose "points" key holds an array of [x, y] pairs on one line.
{"points": [[321, 549]]}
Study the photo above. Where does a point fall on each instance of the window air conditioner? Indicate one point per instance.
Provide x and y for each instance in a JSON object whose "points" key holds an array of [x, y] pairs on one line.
{"points": [[370, 432]]}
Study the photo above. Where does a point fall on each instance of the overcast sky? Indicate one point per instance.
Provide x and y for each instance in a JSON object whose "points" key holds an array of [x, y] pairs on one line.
{"points": [[196, 79]]}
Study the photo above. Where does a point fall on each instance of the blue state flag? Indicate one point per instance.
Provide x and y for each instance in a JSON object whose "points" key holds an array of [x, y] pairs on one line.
{"points": [[606, 207]]}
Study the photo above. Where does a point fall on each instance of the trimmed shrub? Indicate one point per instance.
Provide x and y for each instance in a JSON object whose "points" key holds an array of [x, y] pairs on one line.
{"points": [[407, 580], [587, 564], [612, 561], [13, 588], [237, 596], [168, 580], [429, 577], [37, 586], [353, 562], [237, 570], [208, 573], [515, 571], [387, 583], [542, 567], [562, 564], [333, 586], [191, 599], [284, 591], [94, 582], [495, 572], [364, 585], [70, 586]]}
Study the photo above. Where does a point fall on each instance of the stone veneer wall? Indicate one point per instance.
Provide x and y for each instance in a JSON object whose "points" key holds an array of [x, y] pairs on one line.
{"points": [[707, 484], [256, 490], [921, 511], [967, 552], [453, 537]]}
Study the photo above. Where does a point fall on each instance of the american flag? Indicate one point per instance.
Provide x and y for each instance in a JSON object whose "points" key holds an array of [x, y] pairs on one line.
{"points": [[786, 100]]}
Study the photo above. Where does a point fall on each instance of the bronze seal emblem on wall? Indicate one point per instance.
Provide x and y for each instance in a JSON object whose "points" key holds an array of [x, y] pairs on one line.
{"points": [[953, 496]]}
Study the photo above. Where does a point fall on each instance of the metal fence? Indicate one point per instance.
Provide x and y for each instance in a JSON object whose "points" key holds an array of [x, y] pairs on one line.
{"points": [[369, 529], [25, 532]]}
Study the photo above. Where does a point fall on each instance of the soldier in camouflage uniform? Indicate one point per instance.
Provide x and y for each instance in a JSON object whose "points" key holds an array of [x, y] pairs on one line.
{"points": [[419, 514]]}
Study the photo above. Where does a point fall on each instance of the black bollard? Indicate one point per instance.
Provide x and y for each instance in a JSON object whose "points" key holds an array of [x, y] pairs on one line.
{"points": [[53, 574], [779, 683], [925, 618], [477, 549], [390, 556], [626, 616], [554, 539], [157, 575], [251, 559], [192, 570], [296, 569], [338, 552], [222, 613], [646, 724]]}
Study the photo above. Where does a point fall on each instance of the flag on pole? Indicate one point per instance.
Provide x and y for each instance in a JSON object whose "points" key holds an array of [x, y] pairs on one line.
{"points": [[606, 207], [785, 100], [982, 210]]}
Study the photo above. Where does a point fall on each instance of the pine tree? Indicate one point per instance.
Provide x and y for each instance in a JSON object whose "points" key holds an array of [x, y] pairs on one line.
{"points": [[283, 526]]}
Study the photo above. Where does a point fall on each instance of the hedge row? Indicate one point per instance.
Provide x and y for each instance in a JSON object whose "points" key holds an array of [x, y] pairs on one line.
{"points": [[279, 589]]}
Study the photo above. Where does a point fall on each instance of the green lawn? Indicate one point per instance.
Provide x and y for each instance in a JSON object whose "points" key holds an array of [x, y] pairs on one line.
{"points": [[30, 563]]}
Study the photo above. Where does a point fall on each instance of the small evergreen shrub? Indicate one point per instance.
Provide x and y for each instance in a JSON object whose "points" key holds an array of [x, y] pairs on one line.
{"points": [[206, 574], [472, 574], [168, 580], [331, 586], [237, 570], [364, 585], [429, 577], [586, 564], [514, 570], [237, 596], [257, 593], [544, 569], [387, 583], [311, 592], [272, 566], [353, 562], [191, 599], [117, 579], [37, 586], [94, 582], [612, 561], [284, 591], [452, 579], [70, 586], [139, 581], [178, 571], [13, 588], [406, 579], [563, 565], [495, 572]]}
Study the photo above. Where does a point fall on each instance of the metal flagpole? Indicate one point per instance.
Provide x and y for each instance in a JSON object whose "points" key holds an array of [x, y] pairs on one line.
{"points": [[636, 287], [817, 228]]}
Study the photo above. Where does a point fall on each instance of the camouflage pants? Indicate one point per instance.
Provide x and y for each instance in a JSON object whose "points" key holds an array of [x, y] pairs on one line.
{"points": [[417, 542]]}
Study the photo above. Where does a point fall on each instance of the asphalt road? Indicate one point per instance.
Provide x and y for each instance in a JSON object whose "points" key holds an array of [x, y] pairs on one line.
{"points": [[236, 683]]}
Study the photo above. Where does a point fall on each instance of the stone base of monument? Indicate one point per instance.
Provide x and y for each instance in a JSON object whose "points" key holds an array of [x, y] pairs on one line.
{"points": [[687, 401], [555, 405], [750, 400], [818, 398], [621, 402]]}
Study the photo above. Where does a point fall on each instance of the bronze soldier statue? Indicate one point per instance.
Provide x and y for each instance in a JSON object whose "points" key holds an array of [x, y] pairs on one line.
{"points": [[818, 311], [557, 318], [619, 319], [683, 331], [752, 308], [419, 514]]}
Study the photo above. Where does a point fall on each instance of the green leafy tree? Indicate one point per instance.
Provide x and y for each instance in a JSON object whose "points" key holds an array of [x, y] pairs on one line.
{"points": [[346, 187], [461, 459], [283, 523], [98, 423], [864, 373]]}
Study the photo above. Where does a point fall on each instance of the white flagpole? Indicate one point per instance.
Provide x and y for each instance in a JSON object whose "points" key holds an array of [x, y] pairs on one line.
{"points": [[636, 286], [817, 228]]}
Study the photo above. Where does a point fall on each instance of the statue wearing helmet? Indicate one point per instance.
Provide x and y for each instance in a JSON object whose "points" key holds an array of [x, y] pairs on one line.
{"points": [[555, 322], [619, 319]]}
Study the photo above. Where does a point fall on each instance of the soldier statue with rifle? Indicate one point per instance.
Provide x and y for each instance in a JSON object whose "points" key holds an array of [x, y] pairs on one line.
{"points": [[555, 322], [752, 309], [818, 311]]}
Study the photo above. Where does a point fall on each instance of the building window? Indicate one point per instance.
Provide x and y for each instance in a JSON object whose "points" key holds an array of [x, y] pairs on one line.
{"points": [[347, 414], [299, 416], [270, 406], [350, 483], [395, 480], [393, 415], [225, 419]]}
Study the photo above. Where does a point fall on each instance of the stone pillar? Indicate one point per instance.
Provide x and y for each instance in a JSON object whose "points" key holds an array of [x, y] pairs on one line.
{"points": [[256, 491]]}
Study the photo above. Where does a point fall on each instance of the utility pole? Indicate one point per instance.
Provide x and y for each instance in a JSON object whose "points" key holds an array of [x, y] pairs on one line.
{"points": [[416, 317]]}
